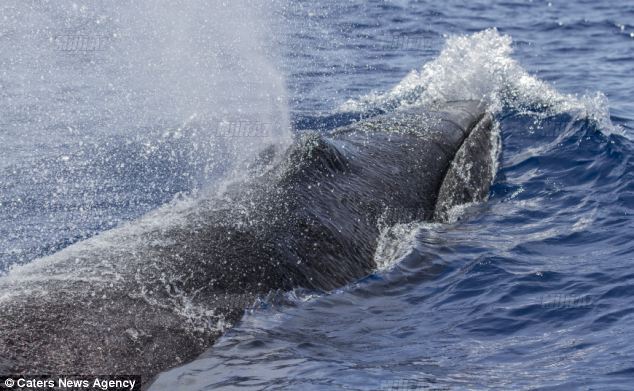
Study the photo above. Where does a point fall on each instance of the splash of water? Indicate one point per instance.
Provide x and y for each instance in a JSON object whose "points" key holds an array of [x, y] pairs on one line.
{"points": [[195, 70], [112, 109], [208, 59], [480, 67]]}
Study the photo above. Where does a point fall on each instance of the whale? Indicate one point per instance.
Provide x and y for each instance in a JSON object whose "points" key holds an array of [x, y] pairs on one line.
{"points": [[157, 292]]}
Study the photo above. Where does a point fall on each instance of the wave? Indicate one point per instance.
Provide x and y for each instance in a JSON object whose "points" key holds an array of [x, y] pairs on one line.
{"points": [[480, 67]]}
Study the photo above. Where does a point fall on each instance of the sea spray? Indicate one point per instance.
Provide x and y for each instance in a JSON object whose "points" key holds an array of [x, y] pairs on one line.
{"points": [[143, 72], [480, 66]]}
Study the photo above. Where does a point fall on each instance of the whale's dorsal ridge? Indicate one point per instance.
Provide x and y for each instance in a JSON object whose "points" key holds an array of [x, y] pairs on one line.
{"points": [[314, 152]]}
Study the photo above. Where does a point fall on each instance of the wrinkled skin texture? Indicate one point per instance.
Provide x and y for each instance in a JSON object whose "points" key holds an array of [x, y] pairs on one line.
{"points": [[156, 293]]}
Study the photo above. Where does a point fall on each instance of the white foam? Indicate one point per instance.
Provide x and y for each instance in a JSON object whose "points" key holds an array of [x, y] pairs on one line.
{"points": [[480, 67], [394, 244]]}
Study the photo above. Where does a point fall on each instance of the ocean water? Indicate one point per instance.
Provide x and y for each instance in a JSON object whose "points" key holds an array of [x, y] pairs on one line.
{"points": [[533, 289]]}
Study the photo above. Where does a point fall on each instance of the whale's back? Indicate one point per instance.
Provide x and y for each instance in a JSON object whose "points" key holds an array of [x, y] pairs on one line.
{"points": [[155, 293]]}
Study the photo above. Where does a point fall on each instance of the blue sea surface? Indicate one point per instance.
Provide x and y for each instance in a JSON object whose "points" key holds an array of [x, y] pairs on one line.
{"points": [[532, 290]]}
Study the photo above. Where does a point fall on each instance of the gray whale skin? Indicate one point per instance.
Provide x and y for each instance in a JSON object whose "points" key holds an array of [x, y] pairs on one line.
{"points": [[155, 293]]}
